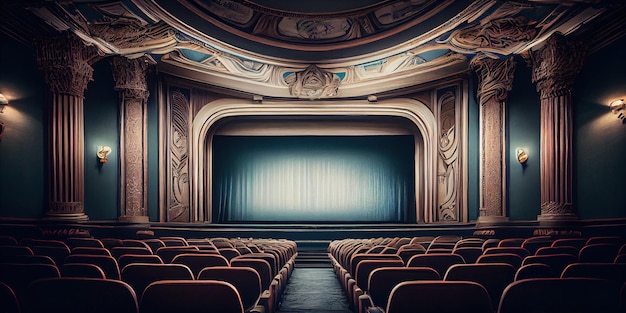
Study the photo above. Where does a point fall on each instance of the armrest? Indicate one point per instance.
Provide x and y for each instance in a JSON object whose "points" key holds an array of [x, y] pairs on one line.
{"points": [[375, 309], [364, 302]]}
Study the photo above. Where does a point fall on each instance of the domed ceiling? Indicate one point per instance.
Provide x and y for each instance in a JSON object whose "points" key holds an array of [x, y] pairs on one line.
{"points": [[355, 47]]}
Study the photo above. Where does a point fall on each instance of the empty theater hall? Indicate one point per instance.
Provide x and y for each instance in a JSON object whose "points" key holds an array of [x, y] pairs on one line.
{"points": [[363, 156]]}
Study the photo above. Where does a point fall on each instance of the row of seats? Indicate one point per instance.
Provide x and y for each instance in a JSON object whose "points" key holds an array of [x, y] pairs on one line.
{"points": [[169, 270], [371, 269]]}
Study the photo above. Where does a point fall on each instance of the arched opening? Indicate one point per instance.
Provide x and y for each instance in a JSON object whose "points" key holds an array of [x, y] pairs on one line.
{"points": [[219, 120]]}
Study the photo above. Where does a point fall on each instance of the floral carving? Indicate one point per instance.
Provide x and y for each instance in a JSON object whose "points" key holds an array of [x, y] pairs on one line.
{"points": [[313, 83]]}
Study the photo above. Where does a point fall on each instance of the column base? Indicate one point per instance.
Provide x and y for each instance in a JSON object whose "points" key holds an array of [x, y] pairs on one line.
{"points": [[486, 221], [134, 219], [74, 217], [558, 220]]}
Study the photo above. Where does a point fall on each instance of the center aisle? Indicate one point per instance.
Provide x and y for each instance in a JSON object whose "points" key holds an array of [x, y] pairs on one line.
{"points": [[314, 290]]}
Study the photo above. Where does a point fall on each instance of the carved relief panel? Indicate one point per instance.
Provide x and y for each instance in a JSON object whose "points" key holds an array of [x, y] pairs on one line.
{"points": [[178, 188], [450, 195]]}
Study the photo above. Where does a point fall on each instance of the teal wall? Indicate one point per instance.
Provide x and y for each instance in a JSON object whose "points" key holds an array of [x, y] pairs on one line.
{"points": [[22, 185], [522, 131], [101, 129], [473, 200], [600, 137]]}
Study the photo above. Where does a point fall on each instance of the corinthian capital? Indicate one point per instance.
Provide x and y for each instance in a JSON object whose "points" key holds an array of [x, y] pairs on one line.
{"points": [[556, 65], [495, 77], [130, 76], [66, 63]]}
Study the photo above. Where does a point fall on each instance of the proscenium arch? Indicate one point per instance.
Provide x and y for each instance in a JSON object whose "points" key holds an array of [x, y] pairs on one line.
{"points": [[416, 112]]}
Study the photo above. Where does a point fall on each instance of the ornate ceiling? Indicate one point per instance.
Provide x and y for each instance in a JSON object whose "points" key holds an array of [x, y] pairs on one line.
{"points": [[350, 48]]}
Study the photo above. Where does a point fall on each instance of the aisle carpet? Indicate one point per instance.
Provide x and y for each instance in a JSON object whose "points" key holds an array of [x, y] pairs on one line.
{"points": [[313, 290]]}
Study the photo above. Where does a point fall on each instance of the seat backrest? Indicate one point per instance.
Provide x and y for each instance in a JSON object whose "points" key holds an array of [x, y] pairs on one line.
{"points": [[9, 301], [19, 276], [383, 279], [355, 259], [90, 251], [31, 242], [168, 253], [577, 243], [140, 275], [598, 253], [138, 258], [270, 258], [534, 243], [57, 253], [608, 271], [80, 295], [6, 240], [435, 297], [245, 279], [515, 250], [117, 252], [262, 267], [74, 242], [154, 244], [557, 250], [229, 253], [196, 262], [493, 276], [9, 251], [107, 263], [439, 262], [511, 242], [556, 261], [537, 270], [174, 241], [579, 295], [174, 296], [509, 258], [84, 270], [617, 240], [469, 254], [366, 267]]}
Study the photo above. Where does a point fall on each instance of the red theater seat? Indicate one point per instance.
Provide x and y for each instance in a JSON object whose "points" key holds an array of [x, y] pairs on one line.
{"points": [[175, 296]]}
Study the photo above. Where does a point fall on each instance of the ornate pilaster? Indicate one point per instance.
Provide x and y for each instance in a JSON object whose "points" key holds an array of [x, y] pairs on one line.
{"points": [[495, 80], [130, 81], [66, 64], [555, 67]]}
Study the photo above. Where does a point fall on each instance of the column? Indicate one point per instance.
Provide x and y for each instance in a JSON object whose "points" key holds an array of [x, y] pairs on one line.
{"points": [[495, 79], [66, 64], [130, 82], [555, 67]]}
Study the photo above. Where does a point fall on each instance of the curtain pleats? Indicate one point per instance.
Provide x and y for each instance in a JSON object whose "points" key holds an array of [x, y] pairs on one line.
{"points": [[330, 179]]}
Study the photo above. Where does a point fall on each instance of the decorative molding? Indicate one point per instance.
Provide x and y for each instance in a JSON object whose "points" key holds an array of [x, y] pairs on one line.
{"points": [[448, 161], [556, 65], [501, 35], [313, 83], [178, 203], [66, 63], [495, 77], [132, 39], [495, 81], [130, 82]]}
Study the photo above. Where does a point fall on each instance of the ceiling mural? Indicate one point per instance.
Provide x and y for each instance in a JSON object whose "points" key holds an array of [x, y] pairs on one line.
{"points": [[348, 48]]}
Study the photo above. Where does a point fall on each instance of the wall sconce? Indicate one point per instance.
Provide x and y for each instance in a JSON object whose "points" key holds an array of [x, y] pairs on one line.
{"points": [[103, 153], [522, 156], [3, 102], [617, 107]]}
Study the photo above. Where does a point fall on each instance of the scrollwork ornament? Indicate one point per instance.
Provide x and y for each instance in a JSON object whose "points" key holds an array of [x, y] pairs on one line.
{"points": [[313, 83], [130, 76], [556, 65], [495, 76]]}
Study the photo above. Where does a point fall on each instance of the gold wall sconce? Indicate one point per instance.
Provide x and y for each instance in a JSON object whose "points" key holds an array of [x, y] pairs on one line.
{"points": [[522, 156], [103, 153], [617, 107], [3, 102]]}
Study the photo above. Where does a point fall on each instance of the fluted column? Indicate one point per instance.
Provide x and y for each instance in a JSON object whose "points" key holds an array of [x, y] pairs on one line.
{"points": [[495, 80], [555, 67], [66, 64], [130, 82]]}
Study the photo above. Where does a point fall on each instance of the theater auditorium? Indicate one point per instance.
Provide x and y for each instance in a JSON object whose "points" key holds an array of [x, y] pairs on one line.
{"points": [[312, 156]]}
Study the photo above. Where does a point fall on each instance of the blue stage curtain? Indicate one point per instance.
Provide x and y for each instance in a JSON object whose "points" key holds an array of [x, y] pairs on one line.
{"points": [[314, 179]]}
